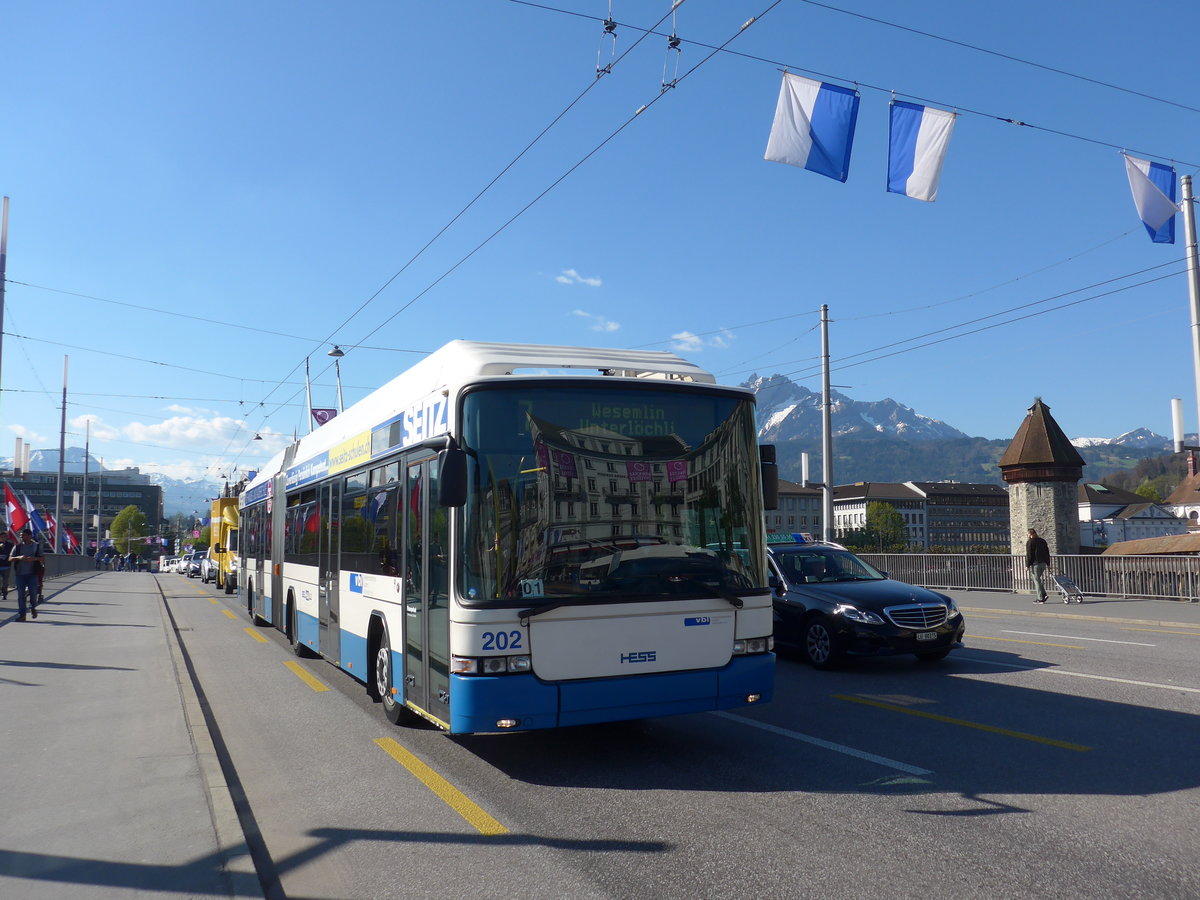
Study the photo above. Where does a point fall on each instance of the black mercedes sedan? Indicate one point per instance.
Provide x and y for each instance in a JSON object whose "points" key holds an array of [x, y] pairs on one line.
{"points": [[830, 604]]}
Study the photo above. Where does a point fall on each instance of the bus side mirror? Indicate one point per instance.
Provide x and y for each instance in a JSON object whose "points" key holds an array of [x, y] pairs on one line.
{"points": [[217, 548], [770, 476], [452, 475]]}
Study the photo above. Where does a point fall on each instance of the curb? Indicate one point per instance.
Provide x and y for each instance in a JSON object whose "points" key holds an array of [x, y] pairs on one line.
{"points": [[232, 845]]}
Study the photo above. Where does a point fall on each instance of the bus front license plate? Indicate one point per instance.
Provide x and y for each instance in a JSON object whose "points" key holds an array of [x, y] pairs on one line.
{"points": [[926, 635]]}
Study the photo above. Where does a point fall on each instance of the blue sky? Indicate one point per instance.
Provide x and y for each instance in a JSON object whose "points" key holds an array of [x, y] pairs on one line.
{"points": [[208, 192]]}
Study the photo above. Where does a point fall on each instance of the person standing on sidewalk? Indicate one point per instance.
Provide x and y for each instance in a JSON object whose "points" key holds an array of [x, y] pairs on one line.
{"points": [[25, 559], [1037, 560], [6, 549]]}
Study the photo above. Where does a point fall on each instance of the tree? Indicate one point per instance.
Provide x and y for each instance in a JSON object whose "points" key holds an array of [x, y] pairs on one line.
{"points": [[887, 524], [128, 525], [1148, 490]]}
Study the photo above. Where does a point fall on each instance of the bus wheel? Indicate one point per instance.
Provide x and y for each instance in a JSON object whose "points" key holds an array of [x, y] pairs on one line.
{"points": [[228, 586], [383, 685], [289, 617]]}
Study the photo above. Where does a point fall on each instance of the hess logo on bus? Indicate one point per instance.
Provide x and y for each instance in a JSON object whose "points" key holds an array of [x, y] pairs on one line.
{"points": [[639, 656]]}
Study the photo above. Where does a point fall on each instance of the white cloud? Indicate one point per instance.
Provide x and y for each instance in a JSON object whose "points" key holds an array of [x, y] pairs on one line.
{"points": [[100, 431], [686, 342], [570, 276], [28, 434], [599, 323], [186, 431]]}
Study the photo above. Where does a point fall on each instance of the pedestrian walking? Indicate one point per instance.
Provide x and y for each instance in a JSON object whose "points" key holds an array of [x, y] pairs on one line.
{"points": [[6, 549], [25, 559], [1037, 560]]}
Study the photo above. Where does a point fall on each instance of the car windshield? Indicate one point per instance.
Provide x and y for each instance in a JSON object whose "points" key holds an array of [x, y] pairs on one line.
{"points": [[601, 491], [810, 564]]}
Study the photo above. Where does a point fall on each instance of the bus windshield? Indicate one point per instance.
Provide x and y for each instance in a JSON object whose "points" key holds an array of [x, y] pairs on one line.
{"points": [[601, 492]]}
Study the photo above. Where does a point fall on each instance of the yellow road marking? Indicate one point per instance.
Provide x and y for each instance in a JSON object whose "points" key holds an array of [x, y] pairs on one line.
{"points": [[1037, 643], [1020, 735], [299, 671], [1165, 631], [213, 601], [451, 796], [230, 613], [978, 616], [253, 632]]}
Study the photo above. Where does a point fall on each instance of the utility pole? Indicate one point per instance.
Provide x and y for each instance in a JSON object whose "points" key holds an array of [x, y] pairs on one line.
{"points": [[1193, 268], [3, 282], [826, 431], [62, 453]]}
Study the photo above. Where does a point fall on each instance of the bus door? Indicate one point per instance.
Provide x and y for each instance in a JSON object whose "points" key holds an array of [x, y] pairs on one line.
{"points": [[426, 597], [329, 506], [276, 533]]}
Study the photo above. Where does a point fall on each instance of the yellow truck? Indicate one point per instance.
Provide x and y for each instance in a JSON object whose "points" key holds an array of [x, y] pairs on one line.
{"points": [[222, 566]]}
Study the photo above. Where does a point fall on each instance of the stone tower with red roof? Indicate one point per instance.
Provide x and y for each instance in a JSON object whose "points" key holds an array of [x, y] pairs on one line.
{"points": [[1042, 469]]}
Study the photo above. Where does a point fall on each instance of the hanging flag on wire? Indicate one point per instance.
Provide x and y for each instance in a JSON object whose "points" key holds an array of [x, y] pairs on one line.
{"points": [[919, 138], [814, 126], [1153, 187]]}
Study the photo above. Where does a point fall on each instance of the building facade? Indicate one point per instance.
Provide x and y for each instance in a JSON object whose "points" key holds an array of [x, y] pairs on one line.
{"points": [[1109, 516], [799, 511], [962, 517], [112, 490]]}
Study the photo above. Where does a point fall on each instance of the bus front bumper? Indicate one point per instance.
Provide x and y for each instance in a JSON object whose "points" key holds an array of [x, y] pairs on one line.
{"points": [[479, 703]]}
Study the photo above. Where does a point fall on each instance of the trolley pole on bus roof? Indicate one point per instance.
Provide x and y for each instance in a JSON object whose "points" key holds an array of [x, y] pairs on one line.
{"points": [[826, 432]]}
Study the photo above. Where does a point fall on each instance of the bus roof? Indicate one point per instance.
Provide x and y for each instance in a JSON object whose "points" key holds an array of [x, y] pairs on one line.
{"points": [[460, 361]]}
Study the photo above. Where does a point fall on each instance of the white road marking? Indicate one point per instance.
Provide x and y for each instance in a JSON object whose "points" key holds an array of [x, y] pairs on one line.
{"points": [[1072, 637], [827, 745], [1029, 668]]}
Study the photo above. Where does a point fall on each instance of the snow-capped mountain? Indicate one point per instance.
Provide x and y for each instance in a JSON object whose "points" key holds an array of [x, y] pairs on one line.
{"points": [[788, 411], [1139, 438]]}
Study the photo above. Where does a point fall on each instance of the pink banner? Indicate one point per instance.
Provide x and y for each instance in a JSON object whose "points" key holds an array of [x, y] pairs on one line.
{"points": [[543, 455], [639, 471], [677, 470], [565, 462]]}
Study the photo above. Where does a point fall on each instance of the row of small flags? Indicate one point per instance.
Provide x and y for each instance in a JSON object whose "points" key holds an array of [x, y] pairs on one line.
{"points": [[814, 130], [21, 514]]}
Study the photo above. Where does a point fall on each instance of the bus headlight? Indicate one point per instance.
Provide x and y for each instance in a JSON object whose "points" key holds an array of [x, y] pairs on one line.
{"points": [[750, 646], [490, 665]]}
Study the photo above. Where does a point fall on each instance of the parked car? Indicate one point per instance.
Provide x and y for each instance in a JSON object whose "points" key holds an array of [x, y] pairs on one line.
{"points": [[830, 604], [191, 565]]}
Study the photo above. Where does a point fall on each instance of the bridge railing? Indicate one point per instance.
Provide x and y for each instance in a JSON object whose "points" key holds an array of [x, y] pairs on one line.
{"points": [[1128, 577]]}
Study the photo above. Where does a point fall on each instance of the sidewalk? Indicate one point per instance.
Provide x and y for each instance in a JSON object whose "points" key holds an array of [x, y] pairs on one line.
{"points": [[1168, 613], [111, 786]]}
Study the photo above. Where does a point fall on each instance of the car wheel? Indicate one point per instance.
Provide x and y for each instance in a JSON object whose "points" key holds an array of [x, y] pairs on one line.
{"points": [[820, 645], [933, 655]]}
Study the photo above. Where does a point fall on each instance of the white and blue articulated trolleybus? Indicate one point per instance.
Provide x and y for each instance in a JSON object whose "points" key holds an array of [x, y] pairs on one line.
{"points": [[493, 550]]}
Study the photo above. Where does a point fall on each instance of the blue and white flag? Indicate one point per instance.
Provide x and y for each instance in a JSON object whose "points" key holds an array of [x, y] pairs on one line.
{"points": [[917, 147], [814, 126], [1153, 187]]}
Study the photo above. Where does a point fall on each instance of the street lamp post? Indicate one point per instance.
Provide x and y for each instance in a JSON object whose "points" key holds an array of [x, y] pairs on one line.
{"points": [[337, 353]]}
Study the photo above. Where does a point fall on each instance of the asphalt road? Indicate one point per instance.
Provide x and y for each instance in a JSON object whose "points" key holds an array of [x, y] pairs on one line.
{"points": [[1049, 758]]}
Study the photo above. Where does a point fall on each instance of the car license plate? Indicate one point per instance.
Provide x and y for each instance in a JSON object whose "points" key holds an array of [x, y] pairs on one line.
{"points": [[927, 635]]}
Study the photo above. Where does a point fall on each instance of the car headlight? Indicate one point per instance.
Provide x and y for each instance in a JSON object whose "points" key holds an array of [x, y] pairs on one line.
{"points": [[854, 614]]}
